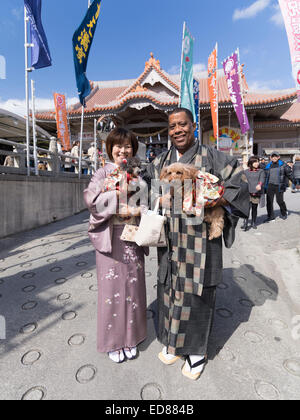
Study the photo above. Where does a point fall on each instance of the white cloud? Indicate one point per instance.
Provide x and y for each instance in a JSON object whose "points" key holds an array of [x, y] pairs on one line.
{"points": [[198, 68], [269, 85], [18, 12], [174, 69], [252, 10], [18, 106], [277, 17]]}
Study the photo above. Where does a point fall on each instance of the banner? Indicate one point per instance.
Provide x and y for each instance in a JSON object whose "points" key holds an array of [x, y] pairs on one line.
{"points": [[213, 89], [291, 14], [82, 42], [187, 88], [40, 54], [232, 72], [62, 121]]}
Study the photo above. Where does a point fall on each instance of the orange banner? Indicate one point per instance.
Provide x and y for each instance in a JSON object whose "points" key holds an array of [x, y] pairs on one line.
{"points": [[62, 121], [213, 90]]}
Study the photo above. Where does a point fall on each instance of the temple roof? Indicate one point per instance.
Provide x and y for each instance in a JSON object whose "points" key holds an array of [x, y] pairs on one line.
{"points": [[160, 89]]}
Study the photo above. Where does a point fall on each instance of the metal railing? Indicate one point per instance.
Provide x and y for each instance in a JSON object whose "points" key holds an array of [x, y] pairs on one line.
{"points": [[49, 164]]}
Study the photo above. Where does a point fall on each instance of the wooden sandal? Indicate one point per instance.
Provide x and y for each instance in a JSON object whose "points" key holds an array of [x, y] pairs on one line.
{"points": [[188, 373], [166, 361]]}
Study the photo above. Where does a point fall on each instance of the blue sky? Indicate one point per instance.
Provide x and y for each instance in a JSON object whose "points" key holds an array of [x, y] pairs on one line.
{"points": [[129, 30]]}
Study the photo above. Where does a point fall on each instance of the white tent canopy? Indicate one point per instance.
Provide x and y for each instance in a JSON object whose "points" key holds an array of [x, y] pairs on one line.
{"points": [[13, 127]]}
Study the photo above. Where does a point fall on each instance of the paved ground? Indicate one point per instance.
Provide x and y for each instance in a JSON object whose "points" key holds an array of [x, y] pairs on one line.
{"points": [[48, 296]]}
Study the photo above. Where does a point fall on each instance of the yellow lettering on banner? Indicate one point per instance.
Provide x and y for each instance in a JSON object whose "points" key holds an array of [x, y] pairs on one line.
{"points": [[85, 40], [98, 11], [80, 53], [91, 25]]}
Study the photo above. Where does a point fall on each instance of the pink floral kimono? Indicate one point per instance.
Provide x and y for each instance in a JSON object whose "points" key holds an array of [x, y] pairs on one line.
{"points": [[122, 305]]}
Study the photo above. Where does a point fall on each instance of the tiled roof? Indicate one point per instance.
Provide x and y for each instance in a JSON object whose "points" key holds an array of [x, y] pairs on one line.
{"points": [[293, 113], [109, 96]]}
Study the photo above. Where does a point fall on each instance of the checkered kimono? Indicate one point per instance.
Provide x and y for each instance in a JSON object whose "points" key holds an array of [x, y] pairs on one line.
{"points": [[191, 266]]}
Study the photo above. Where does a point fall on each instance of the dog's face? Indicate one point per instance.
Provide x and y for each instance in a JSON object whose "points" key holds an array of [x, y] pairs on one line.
{"points": [[178, 171], [132, 166]]}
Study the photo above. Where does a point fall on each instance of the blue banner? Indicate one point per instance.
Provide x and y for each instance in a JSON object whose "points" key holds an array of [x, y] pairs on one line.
{"points": [[196, 102], [187, 88], [82, 42], [40, 54]]}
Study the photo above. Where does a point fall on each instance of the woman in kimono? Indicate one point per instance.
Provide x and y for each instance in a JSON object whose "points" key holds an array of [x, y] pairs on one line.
{"points": [[120, 265]]}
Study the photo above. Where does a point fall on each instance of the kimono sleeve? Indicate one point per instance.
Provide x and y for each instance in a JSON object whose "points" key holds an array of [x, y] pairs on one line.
{"points": [[102, 206], [235, 182]]}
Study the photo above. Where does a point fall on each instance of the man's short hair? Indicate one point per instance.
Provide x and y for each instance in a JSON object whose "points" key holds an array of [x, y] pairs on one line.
{"points": [[188, 113]]}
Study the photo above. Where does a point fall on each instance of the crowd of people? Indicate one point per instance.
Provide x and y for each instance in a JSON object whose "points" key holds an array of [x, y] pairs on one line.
{"points": [[69, 162], [267, 180]]}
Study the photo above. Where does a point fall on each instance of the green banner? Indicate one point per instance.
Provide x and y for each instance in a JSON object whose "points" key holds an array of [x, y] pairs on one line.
{"points": [[187, 76]]}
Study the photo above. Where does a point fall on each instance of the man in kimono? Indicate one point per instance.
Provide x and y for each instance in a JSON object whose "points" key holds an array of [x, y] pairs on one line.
{"points": [[191, 267]]}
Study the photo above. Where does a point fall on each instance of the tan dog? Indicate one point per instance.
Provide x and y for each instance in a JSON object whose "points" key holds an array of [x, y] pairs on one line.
{"points": [[215, 215]]}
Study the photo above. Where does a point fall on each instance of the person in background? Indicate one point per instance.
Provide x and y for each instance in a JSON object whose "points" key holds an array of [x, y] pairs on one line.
{"points": [[75, 153], [262, 163], [9, 161], [296, 174], [289, 183], [276, 173], [68, 162], [256, 181]]}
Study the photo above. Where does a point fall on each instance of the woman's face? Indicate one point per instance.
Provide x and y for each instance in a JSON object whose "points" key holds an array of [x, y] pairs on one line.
{"points": [[121, 152], [255, 164]]}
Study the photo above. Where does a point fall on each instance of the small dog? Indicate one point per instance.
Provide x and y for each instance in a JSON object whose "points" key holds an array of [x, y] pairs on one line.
{"points": [[128, 171], [132, 166], [211, 191]]}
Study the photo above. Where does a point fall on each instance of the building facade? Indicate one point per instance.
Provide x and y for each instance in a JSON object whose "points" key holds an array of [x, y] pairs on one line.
{"points": [[142, 105]]}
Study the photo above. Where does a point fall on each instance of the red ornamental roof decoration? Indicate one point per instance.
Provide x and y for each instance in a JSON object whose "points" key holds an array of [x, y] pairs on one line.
{"points": [[106, 99]]}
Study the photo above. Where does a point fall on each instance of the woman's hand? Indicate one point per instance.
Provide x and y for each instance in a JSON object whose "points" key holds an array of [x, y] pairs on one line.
{"points": [[127, 211], [258, 187]]}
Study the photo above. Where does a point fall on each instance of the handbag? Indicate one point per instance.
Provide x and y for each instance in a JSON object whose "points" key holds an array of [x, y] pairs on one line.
{"points": [[129, 233], [151, 231]]}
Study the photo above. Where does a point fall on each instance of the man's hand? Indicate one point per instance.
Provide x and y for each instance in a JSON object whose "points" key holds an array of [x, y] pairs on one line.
{"points": [[217, 203]]}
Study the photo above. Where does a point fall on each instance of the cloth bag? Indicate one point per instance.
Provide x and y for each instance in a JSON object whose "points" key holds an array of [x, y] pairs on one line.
{"points": [[151, 231], [129, 233]]}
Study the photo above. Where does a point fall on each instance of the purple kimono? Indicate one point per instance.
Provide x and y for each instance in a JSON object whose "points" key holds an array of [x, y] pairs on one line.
{"points": [[120, 265]]}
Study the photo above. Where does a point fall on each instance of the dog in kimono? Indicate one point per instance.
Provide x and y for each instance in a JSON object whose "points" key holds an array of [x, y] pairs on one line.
{"points": [[128, 172], [206, 189]]}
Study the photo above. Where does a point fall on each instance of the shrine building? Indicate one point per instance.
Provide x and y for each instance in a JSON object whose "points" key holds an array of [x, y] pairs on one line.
{"points": [[142, 106]]}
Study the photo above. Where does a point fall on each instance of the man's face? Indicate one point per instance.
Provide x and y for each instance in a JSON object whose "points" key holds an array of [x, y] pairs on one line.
{"points": [[275, 159], [181, 131]]}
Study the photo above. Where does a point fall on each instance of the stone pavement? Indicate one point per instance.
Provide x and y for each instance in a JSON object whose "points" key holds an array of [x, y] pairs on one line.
{"points": [[48, 298]]}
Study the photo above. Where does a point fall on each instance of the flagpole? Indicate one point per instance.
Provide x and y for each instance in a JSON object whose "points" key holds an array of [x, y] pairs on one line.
{"points": [[182, 53], [81, 138], [27, 92], [33, 128], [218, 144], [242, 93]]}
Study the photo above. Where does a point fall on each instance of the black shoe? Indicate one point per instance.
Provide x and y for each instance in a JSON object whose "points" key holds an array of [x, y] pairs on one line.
{"points": [[245, 225], [253, 225], [284, 217]]}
